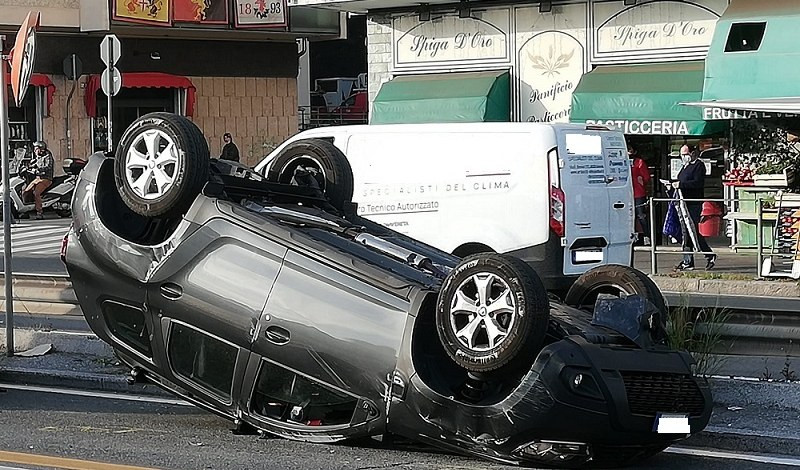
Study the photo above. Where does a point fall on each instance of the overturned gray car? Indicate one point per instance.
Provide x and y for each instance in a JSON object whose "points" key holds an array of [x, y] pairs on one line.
{"points": [[268, 301]]}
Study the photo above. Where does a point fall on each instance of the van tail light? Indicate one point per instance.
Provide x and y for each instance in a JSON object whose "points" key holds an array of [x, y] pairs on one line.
{"points": [[557, 210], [556, 194]]}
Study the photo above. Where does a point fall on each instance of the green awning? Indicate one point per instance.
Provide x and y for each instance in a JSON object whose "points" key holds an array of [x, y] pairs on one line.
{"points": [[743, 73], [446, 97], [644, 99]]}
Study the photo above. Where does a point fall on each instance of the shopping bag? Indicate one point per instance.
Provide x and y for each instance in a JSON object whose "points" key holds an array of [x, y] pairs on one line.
{"points": [[672, 223]]}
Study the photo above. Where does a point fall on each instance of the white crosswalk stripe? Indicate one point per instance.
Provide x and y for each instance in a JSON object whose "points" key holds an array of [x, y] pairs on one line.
{"points": [[36, 237]]}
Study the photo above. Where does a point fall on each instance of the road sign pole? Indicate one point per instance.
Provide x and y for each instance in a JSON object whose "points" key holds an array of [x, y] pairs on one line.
{"points": [[109, 67], [8, 278]]}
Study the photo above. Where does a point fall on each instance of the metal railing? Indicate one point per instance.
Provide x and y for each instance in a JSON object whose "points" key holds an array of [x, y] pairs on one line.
{"points": [[310, 117], [727, 202]]}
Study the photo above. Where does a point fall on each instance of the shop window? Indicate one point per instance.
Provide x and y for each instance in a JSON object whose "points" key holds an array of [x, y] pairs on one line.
{"points": [[283, 395], [202, 359], [745, 37], [128, 325]]}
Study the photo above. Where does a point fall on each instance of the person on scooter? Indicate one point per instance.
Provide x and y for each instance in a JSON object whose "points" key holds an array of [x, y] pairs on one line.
{"points": [[42, 169]]}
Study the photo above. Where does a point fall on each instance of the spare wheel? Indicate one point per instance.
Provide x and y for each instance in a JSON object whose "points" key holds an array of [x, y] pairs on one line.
{"points": [[617, 280], [492, 313], [162, 163]]}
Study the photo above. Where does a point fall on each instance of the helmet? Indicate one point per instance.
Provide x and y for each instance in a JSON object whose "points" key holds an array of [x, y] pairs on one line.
{"points": [[39, 144]]}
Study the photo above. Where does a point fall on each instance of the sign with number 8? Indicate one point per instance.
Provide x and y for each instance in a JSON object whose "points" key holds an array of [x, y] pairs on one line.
{"points": [[260, 13]]}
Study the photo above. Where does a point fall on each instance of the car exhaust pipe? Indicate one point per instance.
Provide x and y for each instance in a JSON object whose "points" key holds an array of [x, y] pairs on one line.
{"points": [[414, 259]]}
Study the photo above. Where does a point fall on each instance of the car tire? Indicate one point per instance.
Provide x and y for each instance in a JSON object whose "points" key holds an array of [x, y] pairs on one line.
{"points": [[326, 163], [520, 322], [161, 164], [614, 279]]}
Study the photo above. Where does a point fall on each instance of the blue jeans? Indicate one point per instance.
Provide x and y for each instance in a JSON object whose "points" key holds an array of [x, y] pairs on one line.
{"points": [[641, 215]]}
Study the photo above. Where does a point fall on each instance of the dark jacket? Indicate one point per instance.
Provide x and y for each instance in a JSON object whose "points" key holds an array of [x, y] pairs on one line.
{"points": [[43, 166], [230, 152], [692, 179]]}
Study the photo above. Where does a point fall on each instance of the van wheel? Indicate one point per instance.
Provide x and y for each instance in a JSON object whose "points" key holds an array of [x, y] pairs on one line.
{"points": [[471, 249], [617, 280], [318, 164], [492, 313], [161, 164]]}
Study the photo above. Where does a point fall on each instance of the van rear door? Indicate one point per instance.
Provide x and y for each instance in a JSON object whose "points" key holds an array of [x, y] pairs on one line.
{"points": [[598, 198]]}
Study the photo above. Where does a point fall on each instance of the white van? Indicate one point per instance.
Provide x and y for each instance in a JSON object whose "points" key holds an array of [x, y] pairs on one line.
{"points": [[558, 196]]}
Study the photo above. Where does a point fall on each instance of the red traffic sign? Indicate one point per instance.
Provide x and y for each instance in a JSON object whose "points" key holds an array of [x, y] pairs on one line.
{"points": [[23, 57]]}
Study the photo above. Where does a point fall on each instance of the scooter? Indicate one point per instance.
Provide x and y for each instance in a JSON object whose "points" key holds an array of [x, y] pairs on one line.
{"points": [[58, 197]]}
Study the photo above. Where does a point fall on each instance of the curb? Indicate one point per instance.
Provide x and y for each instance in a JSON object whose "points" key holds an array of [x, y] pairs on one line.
{"points": [[742, 442], [63, 341], [78, 380], [728, 287]]}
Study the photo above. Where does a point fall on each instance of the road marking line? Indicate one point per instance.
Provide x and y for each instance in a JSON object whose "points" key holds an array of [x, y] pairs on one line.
{"points": [[61, 462], [716, 454], [108, 395]]}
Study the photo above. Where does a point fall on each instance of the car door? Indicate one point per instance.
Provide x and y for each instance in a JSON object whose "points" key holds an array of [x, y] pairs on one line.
{"points": [[328, 344], [598, 198], [209, 293]]}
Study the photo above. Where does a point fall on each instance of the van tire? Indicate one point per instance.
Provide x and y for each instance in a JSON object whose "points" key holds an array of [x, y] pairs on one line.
{"points": [[188, 165], [472, 249], [614, 279], [525, 318], [327, 164]]}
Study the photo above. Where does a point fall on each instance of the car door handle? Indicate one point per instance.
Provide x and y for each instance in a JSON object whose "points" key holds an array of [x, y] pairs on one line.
{"points": [[171, 290], [619, 205], [277, 335]]}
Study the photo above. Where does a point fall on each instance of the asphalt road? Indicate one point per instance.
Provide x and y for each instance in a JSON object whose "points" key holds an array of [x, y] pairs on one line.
{"points": [[36, 245], [163, 435]]}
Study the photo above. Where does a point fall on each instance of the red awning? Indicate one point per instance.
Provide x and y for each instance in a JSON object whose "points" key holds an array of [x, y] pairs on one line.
{"points": [[141, 80], [38, 79]]}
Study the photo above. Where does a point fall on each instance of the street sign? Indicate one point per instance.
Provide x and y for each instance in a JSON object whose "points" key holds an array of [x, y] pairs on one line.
{"points": [[73, 67], [111, 83], [110, 49], [23, 57]]}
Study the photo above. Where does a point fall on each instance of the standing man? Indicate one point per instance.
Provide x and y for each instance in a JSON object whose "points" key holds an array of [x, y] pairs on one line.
{"points": [[230, 151], [43, 171], [641, 177], [691, 182]]}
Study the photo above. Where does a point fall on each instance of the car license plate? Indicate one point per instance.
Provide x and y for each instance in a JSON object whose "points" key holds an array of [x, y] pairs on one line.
{"points": [[588, 256], [668, 423]]}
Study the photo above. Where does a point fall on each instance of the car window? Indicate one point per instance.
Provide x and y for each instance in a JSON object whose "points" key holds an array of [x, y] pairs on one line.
{"points": [[202, 359], [283, 395], [128, 325]]}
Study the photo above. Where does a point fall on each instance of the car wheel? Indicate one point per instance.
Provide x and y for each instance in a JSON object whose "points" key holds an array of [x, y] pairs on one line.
{"points": [[316, 163], [492, 312], [617, 280], [162, 163]]}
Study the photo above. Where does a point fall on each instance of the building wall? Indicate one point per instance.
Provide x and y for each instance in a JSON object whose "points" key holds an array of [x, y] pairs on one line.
{"points": [[546, 53], [379, 52], [256, 111]]}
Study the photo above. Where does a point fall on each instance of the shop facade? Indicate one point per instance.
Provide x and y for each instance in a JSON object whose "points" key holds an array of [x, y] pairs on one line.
{"points": [[609, 62], [226, 69]]}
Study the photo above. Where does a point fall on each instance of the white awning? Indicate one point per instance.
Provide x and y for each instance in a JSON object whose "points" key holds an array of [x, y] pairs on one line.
{"points": [[789, 105]]}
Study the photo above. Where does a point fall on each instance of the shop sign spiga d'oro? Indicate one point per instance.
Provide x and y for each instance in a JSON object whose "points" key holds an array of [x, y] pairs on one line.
{"points": [[449, 39]]}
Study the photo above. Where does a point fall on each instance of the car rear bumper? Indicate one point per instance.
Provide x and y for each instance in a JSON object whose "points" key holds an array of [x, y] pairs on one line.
{"points": [[613, 408]]}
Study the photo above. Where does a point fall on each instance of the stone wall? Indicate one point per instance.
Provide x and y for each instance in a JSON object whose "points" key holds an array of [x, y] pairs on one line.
{"points": [[256, 111], [379, 52], [55, 125]]}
